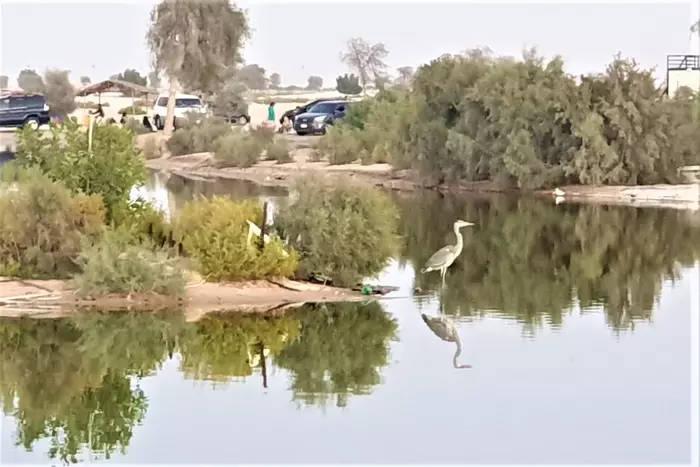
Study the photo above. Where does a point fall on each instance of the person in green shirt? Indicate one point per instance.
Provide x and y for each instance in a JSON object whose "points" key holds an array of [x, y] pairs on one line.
{"points": [[271, 113]]}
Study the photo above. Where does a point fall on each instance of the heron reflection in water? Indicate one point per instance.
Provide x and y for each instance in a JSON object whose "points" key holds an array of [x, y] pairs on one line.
{"points": [[445, 256], [445, 329]]}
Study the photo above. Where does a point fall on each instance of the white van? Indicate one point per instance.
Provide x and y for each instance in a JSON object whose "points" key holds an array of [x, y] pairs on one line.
{"points": [[184, 104]]}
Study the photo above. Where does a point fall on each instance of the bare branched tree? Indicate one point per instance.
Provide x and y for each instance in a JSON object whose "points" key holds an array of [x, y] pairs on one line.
{"points": [[366, 59]]}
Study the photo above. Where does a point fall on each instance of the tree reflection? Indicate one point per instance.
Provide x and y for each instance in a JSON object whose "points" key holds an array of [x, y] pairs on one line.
{"points": [[529, 260], [340, 351], [69, 380], [74, 381], [225, 345]]}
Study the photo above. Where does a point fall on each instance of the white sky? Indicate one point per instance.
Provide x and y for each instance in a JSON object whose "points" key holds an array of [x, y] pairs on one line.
{"points": [[301, 39]]}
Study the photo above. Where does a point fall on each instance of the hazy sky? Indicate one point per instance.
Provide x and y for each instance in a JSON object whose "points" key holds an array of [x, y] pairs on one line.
{"points": [[300, 39]]}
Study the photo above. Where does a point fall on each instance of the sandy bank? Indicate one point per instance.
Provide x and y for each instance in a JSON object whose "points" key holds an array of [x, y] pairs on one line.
{"points": [[268, 173], [54, 298]]}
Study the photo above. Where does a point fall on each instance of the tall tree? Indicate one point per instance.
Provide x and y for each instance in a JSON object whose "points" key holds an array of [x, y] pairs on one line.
{"points": [[85, 80], [154, 80], [60, 95], [252, 76], [4, 81], [405, 75], [194, 44], [30, 81], [315, 83], [366, 59], [275, 80], [131, 76]]}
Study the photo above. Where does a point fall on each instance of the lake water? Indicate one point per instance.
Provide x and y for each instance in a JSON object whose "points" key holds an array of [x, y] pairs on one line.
{"points": [[576, 321]]}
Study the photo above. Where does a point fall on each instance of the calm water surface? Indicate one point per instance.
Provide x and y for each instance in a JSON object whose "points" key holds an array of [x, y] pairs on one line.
{"points": [[575, 319]]}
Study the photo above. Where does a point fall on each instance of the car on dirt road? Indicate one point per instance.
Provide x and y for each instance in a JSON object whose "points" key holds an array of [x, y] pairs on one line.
{"points": [[320, 116], [19, 110], [291, 114], [185, 105]]}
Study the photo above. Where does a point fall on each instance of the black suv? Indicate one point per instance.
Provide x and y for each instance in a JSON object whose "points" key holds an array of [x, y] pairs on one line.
{"points": [[291, 114], [19, 110], [318, 117]]}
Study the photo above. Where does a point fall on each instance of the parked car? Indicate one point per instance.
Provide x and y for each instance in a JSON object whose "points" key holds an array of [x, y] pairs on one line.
{"points": [[318, 117], [20, 110], [291, 114], [184, 104]]}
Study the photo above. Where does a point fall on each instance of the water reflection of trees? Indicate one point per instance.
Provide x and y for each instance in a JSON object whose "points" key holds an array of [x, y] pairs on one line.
{"points": [[340, 351], [225, 345], [69, 380], [74, 381], [528, 259]]}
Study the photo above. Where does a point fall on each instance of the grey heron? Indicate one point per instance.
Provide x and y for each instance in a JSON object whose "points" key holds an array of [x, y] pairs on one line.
{"points": [[445, 256], [445, 329]]}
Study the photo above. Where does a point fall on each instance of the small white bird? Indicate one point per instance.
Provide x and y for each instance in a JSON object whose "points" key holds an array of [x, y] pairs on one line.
{"points": [[558, 192]]}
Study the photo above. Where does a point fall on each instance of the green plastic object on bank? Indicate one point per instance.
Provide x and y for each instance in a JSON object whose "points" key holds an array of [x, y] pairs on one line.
{"points": [[366, 289]]}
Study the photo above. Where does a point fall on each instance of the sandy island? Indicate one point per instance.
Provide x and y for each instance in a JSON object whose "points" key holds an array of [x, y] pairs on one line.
{"points": [[56, 298]]}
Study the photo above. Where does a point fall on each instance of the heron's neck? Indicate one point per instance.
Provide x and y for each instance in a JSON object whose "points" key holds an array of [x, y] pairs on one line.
{"points": [[458, 234], [457, 352]]}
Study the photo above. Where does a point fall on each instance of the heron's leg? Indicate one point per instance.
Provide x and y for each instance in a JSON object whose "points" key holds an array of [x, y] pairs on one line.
{"points": [[443, 271]]}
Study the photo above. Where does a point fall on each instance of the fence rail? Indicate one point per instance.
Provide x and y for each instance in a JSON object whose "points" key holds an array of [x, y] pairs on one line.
{"points": [[683, 62]]}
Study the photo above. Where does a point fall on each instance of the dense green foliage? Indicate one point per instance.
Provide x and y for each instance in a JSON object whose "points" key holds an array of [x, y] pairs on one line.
{"points": [[214, 233], [114, 264], [525, 123], [345, 232], [110, 170], [41, 225]]}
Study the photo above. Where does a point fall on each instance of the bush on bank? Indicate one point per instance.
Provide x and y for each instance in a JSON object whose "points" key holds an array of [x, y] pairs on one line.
{"points": [[214, 233], [115, 264], [42, 224], [344, 232], [110, 170], [523, 123]]}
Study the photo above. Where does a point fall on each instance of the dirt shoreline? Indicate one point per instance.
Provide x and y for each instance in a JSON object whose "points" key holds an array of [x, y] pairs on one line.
{"points": [[56, 298], [268, 173]]}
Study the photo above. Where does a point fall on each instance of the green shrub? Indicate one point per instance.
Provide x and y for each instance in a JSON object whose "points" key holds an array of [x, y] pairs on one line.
{"points": [[137, 126], [202, 137], [279, 151], [341, 145], [142, 221], [41, 225], [114, 264], [237, 150], [133, 110], [263, 135], [346, 232], [110, 170], [214, 233]]}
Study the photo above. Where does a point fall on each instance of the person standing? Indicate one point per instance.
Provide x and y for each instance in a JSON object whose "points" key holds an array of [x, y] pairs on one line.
{"points": [[271, 115]]}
